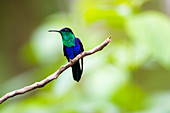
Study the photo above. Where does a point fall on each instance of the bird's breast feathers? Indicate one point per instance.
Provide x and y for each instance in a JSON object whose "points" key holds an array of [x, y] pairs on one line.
{"points": [[69, 42]]}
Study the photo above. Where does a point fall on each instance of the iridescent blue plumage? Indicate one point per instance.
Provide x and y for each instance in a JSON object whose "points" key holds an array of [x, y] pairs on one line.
{"points": [[72, 46], [72, 52]]}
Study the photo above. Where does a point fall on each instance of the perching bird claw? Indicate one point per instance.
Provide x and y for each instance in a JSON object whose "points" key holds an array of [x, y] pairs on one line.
{"points": [[71, 60]]}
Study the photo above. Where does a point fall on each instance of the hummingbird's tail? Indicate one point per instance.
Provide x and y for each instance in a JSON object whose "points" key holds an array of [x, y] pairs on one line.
{"points": [[77, 70]]}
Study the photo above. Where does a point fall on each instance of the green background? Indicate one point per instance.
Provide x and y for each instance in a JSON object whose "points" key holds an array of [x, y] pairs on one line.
{"points": [[130, 75]]}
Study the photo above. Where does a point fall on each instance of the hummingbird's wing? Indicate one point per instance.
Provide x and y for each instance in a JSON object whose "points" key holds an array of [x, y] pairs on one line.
{"points": [[82, 49], [81, 45]]}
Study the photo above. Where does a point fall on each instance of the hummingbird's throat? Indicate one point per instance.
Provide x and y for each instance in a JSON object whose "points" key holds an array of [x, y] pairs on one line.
{"points": [[69, 43], [68, 39]]}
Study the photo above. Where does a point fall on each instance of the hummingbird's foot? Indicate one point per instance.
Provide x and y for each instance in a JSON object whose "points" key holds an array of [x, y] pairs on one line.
{"points": [[71, 60]]}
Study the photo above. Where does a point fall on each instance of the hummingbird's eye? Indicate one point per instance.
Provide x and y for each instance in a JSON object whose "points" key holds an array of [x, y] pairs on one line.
{"points": [[66, 30]]}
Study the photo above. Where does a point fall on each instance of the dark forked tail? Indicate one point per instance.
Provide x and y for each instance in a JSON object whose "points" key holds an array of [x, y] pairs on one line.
{"points": [[77, 70]]}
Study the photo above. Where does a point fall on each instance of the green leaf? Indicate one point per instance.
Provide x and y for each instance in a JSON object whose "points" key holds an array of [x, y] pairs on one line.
{"points": [[152, 30]]}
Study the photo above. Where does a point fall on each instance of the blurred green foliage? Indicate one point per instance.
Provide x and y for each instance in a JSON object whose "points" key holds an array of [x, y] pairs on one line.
{"points": [[153, 32], [131, 75]]}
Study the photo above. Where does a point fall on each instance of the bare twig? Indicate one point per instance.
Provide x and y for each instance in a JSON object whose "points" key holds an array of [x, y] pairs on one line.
{"points": [[54, 75]]}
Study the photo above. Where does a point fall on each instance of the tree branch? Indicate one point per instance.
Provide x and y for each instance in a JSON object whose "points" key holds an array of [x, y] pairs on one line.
{"points": [[54, 75]]}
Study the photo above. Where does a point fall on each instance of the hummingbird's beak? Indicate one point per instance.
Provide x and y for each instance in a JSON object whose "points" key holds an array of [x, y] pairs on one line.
{"points": [[53, 31]]}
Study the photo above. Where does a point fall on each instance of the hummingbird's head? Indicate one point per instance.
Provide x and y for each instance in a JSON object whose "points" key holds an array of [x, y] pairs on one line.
{"points": [[63, 31], [67, 36], [66, 30]]}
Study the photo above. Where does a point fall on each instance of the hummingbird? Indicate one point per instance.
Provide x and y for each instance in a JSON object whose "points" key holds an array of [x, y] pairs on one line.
{"points": [[72, 46]]}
